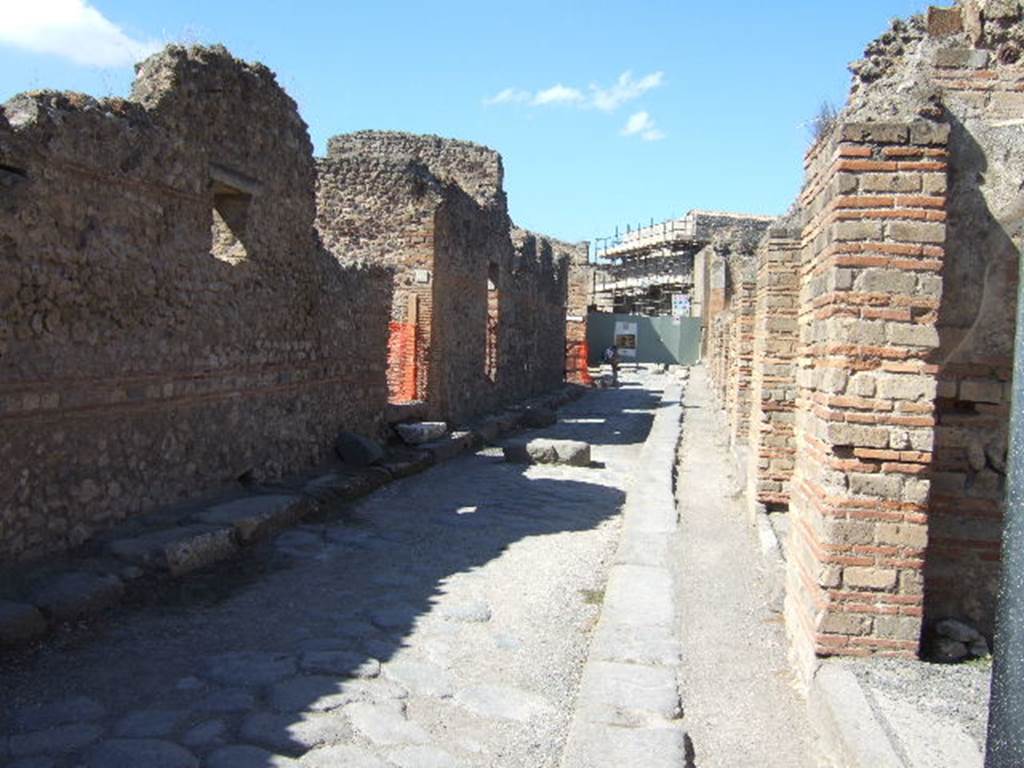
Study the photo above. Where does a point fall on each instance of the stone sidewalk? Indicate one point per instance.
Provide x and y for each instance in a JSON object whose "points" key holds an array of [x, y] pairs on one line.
{"points": [[442, 621]]}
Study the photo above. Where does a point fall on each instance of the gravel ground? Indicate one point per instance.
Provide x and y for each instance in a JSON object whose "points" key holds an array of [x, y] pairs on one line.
{"points": [[950, 696], [740, 705], [443, 621]]}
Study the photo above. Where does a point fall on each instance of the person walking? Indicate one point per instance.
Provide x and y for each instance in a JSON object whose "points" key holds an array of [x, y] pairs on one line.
{"points": [[611, 356]]}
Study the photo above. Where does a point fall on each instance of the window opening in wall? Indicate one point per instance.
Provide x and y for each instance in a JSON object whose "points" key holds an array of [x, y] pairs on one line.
{"points": [[493, 309], [232, 199]]}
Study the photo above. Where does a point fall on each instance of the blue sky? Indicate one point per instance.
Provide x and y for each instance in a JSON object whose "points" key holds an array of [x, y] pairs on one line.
{"points": [[605, 112]]}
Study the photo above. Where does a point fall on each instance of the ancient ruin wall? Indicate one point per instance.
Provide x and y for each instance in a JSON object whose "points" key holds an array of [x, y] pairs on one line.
{"points": [[739, 372], [382, 211], [980, 76], [489, 320], [869, 293], [773, 384], [168, 320], [579, 297]]}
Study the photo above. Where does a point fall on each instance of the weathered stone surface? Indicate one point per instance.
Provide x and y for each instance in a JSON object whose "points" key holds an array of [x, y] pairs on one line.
{"points": [[73, 595], [344, 663], [77, 709], [178, 550], [242, 756], [547, 451], [255, 516], [132, 753], [293, 735], [384, 725], [228, 700], [504, 702], [57, 740], [342, 755], [150, 723], [251, 355], [250, 667], [19, 623], [421, 432], [422, 757], [318, 693], [421, 678], [210, 733], [468, 611], [357, 450]]}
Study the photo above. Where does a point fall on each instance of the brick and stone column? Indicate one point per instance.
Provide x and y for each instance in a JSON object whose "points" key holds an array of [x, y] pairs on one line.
{"points": [[869, 293], [741, 350], [773, 388]]}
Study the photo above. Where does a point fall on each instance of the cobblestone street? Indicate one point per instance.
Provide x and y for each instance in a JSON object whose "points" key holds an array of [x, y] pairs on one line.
{"points": [[442, 621]]}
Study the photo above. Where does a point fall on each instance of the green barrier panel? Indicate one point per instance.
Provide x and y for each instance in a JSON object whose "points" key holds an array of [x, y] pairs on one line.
{"points": [[658, 339]]}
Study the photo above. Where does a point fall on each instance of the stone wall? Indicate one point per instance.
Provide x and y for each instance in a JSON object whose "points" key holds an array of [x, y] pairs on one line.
{"points": [[868, 294], [907, 294], [580, 295], [773, 384], [169, 322], [488, 305]]}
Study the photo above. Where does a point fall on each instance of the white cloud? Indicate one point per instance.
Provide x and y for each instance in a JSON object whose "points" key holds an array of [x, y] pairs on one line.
{"points": [[509, 96], [558, 94], [640, 124], [72, 29], [624, 90]]}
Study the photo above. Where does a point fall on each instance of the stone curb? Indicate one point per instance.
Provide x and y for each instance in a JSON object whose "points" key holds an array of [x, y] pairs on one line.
{"points": [[845, 722], [192, 541], [628, 707]]}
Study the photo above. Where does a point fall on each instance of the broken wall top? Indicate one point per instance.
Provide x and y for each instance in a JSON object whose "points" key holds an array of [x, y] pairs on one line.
{"points": [[475, 168]]}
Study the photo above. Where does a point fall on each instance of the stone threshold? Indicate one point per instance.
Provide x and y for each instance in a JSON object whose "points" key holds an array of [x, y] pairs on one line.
{"points": [[136, 557]]}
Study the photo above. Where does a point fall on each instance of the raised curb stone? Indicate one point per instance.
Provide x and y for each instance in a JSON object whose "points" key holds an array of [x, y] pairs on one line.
{"points": [[178, 550], [256, 516]]}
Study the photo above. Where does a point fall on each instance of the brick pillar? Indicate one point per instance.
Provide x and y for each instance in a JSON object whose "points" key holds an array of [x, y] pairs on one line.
{"points": [[869, 293], [741, 351], [773, 389]]}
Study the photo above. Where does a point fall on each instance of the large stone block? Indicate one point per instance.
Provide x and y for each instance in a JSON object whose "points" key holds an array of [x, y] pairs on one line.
{"points": [[548, 451], [73, 595]]}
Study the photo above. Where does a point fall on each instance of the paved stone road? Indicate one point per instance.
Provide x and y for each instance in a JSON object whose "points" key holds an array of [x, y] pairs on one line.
{"points": [[443, 621]]}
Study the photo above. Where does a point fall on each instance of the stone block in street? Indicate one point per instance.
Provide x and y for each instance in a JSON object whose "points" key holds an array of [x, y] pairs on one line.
{"points": [[542, 450], [134, 753], [417, 433]]}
